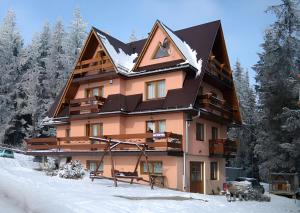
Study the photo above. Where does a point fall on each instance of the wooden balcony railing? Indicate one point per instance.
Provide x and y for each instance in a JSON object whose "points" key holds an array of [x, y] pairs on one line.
{"points": [[94, 64], [222, 148], [86, 105], [218, 70], [209, 102], [166, 141]]}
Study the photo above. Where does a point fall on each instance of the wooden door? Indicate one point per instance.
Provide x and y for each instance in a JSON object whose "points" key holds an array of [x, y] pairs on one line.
{"points": [[197, 177]]}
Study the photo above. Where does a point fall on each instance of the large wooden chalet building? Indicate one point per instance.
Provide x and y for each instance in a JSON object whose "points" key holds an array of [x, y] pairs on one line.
{"points": [[172, 92]]}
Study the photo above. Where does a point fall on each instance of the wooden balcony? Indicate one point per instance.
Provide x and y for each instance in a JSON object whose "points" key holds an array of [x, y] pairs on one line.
{"points": [[158, 142], [215, 105], [86, 105], [222, 148], [95, 64], [218, 71]]}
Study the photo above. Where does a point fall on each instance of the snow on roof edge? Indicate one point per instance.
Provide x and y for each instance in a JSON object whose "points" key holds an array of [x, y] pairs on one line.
{"points": [[186, 50], [123, 62]]}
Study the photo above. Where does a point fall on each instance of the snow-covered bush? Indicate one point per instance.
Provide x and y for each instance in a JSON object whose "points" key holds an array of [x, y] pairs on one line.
{"points": [[50, 167], [72, 170]]}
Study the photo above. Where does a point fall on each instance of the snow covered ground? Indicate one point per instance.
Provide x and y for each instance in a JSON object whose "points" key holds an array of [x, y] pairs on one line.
{"points": [[23, 189]]}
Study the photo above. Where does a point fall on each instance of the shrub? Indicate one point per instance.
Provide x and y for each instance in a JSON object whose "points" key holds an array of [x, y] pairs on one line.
{"points": [[50, 167], [72, 170]]}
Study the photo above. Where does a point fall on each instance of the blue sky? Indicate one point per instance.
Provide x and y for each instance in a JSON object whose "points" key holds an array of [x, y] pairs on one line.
{"points": [[243, 21]]}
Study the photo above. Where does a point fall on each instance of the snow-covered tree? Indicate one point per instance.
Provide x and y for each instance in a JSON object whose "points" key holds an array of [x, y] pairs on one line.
{"points": [[132, 37], [277, 91], [245, 133], [11, 46], [76, 36], [57, 66]]}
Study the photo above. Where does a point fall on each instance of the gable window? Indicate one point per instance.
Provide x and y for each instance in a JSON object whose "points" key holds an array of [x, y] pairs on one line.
{"points": [[214, 170], [162, 50], [199, 132], [156, 126], [155, 89], [214, 133], [94, 130], [155, 167], [96, 91]]}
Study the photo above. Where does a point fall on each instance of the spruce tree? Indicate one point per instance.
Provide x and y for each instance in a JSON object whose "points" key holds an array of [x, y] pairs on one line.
{"points": [[11, 47], [77, 34], [276, 84], [57, 68], [245, 133]]}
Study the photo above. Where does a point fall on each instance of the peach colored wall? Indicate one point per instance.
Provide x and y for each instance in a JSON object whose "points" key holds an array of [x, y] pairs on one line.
{"points": [[172, 169], [109, 88], [158, 36], [61, 130], [201, 147], [174, 80], [126, 125], [137, 124], [111, 125], [171, 166]]}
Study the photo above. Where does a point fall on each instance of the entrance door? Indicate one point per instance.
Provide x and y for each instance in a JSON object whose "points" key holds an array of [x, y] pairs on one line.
{"points": [[196, 177]]}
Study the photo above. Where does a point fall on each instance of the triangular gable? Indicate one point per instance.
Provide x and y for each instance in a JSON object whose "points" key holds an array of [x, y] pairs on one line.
{"points": [[119, 52], [219, 51], [178, 49], [158, 41], [90, 48]]}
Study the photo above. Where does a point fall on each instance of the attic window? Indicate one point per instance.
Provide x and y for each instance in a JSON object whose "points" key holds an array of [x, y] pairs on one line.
{"points": [[162, 50]]}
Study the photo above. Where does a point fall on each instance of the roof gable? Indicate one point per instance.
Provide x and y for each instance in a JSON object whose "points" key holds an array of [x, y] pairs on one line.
{"points": [[89, 52], [119, 53], [159, 48]]}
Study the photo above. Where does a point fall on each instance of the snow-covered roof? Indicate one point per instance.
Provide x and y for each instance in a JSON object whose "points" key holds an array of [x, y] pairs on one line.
{"points": [[124, 62], [189, 54]]}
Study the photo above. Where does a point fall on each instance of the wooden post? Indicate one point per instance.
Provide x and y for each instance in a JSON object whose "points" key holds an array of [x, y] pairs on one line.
{"points": [[112, 165], [58, 140], [137, 163], [101, 160], [149, 175]]}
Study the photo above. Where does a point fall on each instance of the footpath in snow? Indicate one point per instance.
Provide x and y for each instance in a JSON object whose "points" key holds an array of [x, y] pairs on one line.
{"points": [[23, 189]]}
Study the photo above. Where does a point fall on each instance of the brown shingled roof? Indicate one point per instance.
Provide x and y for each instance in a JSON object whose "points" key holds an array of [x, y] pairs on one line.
{"points": [[200, 38]]}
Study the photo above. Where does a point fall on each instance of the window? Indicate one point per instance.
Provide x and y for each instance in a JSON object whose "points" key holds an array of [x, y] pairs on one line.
{"points": [[199, 132], [92, 165], [213, 170], [214, 133], [96, 91], [156, 126], [155, 89], [94, 129], [162, 50], [155, 167]]}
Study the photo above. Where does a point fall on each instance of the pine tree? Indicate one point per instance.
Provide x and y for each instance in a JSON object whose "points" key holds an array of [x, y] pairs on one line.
{"points": [[245, 133], [11, 46], [77, 34], [276, 85], [132, 37], [57, 67]]}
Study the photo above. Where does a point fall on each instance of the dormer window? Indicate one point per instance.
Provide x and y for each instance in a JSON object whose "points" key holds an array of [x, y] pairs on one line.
{"points": [[155, 89], [162, 50]]}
